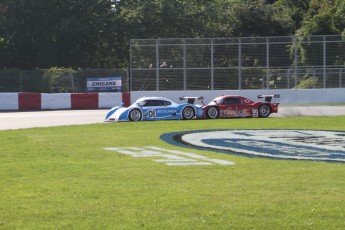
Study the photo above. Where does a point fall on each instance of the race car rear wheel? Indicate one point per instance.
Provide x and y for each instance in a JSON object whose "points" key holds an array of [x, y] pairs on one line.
{"points": [[187, 113], [212, 113], [264, 110], [135, 115]]}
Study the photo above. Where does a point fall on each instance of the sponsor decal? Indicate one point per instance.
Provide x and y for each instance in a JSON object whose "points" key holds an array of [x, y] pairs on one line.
{"points": [[247, 101], [237, 113], [167, 111], [314, 145], [169, 157], [229, 112]]}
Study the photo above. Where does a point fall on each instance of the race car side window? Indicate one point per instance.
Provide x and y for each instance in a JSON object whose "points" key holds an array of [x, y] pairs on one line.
{"points": [[150, 103], [231, 100], [160, 103]]}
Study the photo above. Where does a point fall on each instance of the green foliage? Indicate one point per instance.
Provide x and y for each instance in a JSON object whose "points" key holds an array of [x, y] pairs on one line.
{"points": [[295, 8], [57, 80], [59, 33], [15, 80], [324, 17], [96, 34], [259, 19], [61, 178], [308, 82]]}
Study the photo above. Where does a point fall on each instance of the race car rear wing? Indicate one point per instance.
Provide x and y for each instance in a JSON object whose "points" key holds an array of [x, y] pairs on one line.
{"points": [[191, 100], [268, 98]]}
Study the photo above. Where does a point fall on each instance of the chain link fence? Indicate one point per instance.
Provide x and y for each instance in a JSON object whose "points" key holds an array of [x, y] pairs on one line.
{"points": [[56, 80], [237, 63], [205, 64]]}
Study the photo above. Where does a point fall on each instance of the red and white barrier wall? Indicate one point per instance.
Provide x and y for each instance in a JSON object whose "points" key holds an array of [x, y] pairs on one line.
{"points": [[46, 101]]}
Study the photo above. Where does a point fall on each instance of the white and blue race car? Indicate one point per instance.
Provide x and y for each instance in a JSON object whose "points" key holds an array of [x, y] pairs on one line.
{"points": [[157, 108]]}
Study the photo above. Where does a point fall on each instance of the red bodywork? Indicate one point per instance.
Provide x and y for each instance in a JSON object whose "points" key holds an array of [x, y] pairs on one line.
{"points": [[238, 106]]}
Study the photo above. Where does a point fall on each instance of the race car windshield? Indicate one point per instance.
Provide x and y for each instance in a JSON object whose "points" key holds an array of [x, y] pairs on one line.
{"points": [[141, 103], [218, 100]]}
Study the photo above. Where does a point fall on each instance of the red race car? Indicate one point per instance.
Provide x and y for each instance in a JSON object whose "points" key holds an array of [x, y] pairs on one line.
{"points": [[237, 106]]}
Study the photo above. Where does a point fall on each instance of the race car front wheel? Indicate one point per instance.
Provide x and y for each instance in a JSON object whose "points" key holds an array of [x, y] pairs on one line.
{"points": [[264, 110], [212, 113], [187, 113], [135, 115]]}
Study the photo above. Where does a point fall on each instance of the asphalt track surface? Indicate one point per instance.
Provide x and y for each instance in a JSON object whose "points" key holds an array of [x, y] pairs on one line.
{"points": [[32, 119]]}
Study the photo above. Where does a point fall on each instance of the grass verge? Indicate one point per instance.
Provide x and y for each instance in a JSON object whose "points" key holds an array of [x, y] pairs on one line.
{"points": [[62, 178]]}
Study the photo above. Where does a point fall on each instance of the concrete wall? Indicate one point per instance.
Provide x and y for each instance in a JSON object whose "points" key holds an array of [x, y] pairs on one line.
{"points": [[287, 96]]}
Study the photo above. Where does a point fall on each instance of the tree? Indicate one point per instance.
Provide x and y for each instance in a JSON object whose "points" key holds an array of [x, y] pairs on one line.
{"points": [[96, 34], [4, 38], [249, 18], [79, 33], [260, 19], [163, 18], [295, 8], [324, 18]]}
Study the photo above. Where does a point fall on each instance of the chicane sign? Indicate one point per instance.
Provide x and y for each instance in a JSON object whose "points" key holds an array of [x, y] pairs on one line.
{"points": [[282, 144], [104, 84]]}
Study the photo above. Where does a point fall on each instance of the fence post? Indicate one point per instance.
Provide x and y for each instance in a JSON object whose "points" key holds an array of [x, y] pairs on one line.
{"points": [[212, 65], [340, 77], [296, 60], [72, 80], [20, 81], [157, 66], [324, 61], [184, 66], [239, 64], [130, 67], [314, 75], [288, 78], [267, 62]]}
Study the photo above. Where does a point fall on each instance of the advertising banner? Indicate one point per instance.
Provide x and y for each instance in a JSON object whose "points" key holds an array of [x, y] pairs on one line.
{"points": [[107, 84]]}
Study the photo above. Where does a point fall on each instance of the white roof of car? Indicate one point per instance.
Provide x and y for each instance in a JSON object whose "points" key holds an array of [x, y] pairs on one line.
{"points": [[152, 98]]}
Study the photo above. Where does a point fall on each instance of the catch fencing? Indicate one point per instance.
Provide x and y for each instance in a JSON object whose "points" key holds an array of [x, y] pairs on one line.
{"points": [[237, 63], [57, 80]]}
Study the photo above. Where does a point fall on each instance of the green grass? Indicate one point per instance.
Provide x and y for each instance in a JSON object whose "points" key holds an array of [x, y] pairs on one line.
{"points": [[61, 178]]}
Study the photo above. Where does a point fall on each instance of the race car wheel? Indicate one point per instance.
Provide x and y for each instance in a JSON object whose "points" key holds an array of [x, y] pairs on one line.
{"points": [[264, 110], [212, 113], [135, 115], [188, 113]]}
